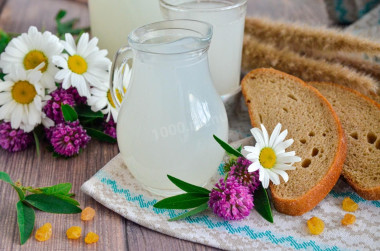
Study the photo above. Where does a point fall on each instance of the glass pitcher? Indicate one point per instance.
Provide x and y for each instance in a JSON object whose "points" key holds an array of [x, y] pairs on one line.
{"points": [[171, 109]]}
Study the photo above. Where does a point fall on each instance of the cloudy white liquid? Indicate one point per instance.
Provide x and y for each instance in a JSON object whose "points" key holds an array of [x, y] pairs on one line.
{"points": [[226, 45], [168, 117], [112, 20]]}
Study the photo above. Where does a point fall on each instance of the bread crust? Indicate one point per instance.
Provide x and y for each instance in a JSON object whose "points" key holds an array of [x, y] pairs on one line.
{"points": [[370, 193], [310, 199]]}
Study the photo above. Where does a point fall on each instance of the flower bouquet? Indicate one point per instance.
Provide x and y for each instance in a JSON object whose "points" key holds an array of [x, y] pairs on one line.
{"points": [[56, 89]]}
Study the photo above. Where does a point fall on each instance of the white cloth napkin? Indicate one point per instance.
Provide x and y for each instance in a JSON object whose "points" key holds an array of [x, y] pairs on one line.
{"points": [[114, 187]]}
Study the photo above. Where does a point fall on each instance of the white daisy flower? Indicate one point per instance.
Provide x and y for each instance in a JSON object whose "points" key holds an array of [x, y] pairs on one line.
{"points": [[83, 66], [101, 98], [30, 50], [22, 98], [269, 156]]}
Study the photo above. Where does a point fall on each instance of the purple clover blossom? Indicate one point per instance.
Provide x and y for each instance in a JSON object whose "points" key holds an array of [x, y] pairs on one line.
{"points": [[79, 100], [231, 200], [68, 138], [110, 128], [52, 108], [14, 140], [241, 174]]}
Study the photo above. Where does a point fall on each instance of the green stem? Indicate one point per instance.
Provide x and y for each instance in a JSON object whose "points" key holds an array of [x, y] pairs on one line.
{"points": [[32, 190]]}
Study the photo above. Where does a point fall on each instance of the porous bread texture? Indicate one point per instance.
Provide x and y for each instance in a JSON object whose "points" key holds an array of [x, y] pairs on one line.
{"points": [[360, 118], [275, 97]]}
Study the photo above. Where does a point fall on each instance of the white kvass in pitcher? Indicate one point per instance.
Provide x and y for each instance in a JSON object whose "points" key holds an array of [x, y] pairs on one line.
{"points": [[171, 109]]}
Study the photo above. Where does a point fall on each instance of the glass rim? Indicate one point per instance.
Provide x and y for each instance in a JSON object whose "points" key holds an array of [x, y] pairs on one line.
{"points": [[206, 35], [236, 4]]}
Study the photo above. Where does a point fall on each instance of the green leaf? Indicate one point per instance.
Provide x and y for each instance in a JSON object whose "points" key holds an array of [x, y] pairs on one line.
{"points": [[25, 220], [197, 210], [229, 149], [60, 191], [2, 75], [183, 201], [99, 135], [5, 177], [67, 199], [60, 15], [85, 111], [20, 193], [37, 142], [51, 204], [69, 114], [68, 26], [4, 40], [63, 188], [262, 204], [239, 148], [188, 187]]}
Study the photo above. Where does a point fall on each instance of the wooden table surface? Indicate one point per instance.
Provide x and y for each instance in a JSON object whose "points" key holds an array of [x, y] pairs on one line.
{"points": [[116, 233]]}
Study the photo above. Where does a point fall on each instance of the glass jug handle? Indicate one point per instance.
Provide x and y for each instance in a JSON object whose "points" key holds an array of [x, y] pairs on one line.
{"points": [[120, 62]]}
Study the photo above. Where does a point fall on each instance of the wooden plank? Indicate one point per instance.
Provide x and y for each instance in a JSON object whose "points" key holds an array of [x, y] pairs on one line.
{"points": [[140, 238], [18, 15], [2, 3]]}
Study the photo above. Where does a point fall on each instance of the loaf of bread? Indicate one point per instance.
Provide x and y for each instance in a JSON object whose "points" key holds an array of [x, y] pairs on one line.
{"points": [[360, 118], [275, 97]]}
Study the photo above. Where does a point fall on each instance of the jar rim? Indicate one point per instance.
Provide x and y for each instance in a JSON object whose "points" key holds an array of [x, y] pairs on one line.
{"points": [[174, 5], [202, 30]]}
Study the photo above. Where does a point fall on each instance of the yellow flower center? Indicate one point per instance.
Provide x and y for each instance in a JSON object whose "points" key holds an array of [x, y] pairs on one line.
{"points": [[267, 157], [118, 95], [23, 92], [34, 58], [77, 64]]}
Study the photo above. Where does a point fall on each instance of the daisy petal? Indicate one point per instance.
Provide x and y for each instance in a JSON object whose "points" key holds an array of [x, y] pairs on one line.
{"points": [[253, 152], [5, 97], [274, 135], [284, 167], [69, 44], [281, 137], [254, 167], [61, 74], [273, 177], [289, 159], [282, 173], [264, 178], [258, 136], [16, 116], [59, 61], [265, 135], [280, 147], [82, 44]]}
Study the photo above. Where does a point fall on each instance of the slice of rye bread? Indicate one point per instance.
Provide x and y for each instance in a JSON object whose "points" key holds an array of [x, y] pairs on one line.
{"points": [[275, 97], [360, 118]]}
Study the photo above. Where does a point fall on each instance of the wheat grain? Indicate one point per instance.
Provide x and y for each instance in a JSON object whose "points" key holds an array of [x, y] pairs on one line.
{"points": [[351, 60], [302, 37], [257, 55]]}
